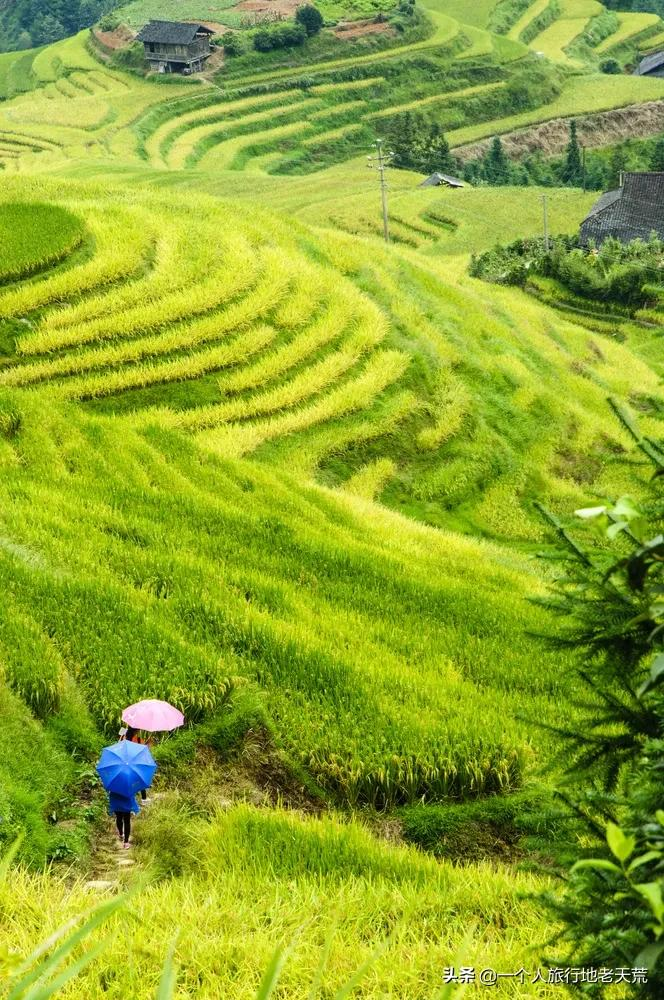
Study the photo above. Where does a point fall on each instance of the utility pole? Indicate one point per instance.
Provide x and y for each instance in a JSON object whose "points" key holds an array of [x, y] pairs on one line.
{"points": [[546, 222], [583, 160], [382, 161]]}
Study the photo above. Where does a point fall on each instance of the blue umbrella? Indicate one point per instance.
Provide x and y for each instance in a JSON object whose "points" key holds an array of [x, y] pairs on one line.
{"points": [[126, 767]]}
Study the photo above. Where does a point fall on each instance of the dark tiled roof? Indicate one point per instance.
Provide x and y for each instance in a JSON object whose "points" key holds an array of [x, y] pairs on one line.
{"points": [[171, 32], [437, 179], [634, 211], [604, 201], [650, 63]]}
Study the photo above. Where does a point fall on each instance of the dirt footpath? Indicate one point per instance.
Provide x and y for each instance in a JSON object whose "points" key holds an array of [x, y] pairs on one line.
{"points": [[276, 8], [550, 138], [356, 29], [119, 38]]}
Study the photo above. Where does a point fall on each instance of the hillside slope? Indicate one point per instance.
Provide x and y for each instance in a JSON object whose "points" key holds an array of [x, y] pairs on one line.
{"points": [[256, 462]]}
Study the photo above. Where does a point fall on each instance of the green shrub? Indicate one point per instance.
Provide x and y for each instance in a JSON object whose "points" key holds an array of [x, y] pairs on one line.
{"points": [[478, 829], [610, 66], [34, 775], [505, 14], [130, 58], [536, 84], [233, 43], [625, 283], [281, 36], [224, 733], [109, 22], [617, 272], [177, 750], [227, 731], [608, 596], [310, 18]]}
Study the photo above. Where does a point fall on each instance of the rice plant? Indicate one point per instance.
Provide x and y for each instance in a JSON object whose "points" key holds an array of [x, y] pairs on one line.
{"points": [[120, 247], [34, 238], [192, 142]]}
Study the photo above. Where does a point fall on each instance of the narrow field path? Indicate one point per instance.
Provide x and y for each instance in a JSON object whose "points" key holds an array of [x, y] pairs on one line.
{"points": [[110, 862]]}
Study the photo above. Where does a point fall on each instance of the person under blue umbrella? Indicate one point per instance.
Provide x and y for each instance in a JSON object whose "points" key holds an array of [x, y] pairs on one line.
{"points": [[125, 768], [122, 806]]}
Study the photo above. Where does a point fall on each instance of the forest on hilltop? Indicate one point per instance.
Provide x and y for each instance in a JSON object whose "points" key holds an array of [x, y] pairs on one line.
{"points": [[26, 24], [647, 6]]}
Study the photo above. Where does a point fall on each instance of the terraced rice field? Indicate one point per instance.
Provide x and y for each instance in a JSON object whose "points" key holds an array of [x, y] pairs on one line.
{"points": [[75, 110], [65, 105], [257, 463], [174, 352], [653, 43], [235, 336], [294, 349], [582, 94], [631, 25], [573, 19], [228, 135], [536, 8]]}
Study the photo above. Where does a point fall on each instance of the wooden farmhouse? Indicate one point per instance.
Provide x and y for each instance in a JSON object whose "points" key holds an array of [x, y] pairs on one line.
{"points": [[634, 211], [175, 46], [652, 65], [442, 180]]}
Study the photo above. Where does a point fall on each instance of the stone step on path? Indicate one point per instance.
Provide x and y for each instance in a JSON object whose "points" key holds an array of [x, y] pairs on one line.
{"points": [[100, 884], [112, 859], [112, 864]]}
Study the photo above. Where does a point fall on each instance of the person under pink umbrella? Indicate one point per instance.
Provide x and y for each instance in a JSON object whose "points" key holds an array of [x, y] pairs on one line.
{"points": [[153, 716], [133, 735]]}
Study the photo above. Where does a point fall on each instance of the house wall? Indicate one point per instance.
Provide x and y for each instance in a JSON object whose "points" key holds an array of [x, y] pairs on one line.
{"points": [[157, 53]]}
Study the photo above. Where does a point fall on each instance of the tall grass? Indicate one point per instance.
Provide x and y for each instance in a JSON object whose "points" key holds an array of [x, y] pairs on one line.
{"points": [[357, 915]]}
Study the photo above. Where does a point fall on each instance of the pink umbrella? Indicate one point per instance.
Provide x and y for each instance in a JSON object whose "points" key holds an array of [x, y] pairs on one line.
{"points": [[152, 715]]}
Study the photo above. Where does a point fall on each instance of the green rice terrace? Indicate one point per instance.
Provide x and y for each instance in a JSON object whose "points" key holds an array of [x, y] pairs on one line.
{"points": [[260, 464]]}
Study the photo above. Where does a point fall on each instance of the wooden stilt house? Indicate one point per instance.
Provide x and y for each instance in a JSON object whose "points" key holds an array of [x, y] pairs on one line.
{"points": [[176, 46]]}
